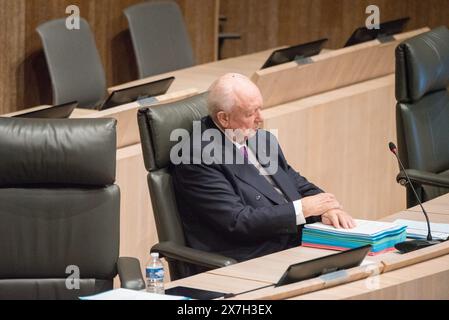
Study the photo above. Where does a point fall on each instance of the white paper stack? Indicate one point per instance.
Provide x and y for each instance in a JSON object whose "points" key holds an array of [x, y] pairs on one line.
{"points": [[126, 294], [418, 229]]}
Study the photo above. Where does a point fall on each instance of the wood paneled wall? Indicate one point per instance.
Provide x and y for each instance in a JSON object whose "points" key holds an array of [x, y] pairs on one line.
{"points": [[267, 23], [24, 79], [12, 42]]}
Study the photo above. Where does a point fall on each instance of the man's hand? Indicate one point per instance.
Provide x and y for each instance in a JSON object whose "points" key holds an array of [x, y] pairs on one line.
{"points": [[319, 204], [338, 218]]}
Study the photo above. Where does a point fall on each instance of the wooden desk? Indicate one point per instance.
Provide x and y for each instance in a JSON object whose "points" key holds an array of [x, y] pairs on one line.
{"points": [[126, 115], [16, 113], [202, 76], [83, 113], [437, 205], [427, 279], [329, 70], [212, 282], [269, 269]]}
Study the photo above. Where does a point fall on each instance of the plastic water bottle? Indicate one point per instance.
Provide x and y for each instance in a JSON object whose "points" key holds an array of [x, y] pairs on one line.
{"points": [[155, 274]]}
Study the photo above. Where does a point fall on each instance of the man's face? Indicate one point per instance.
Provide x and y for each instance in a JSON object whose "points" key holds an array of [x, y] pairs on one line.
{"points": [[244, 119]]}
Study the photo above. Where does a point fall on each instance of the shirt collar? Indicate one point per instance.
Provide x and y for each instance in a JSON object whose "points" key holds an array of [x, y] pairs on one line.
{"points": [[237, 145]]}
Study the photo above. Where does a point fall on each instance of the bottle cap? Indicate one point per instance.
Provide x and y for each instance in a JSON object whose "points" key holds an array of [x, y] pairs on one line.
{"points": [[155, 254]]}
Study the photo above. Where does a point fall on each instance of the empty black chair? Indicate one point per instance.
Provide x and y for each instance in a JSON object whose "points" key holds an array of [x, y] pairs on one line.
{"points": [[155, 125], [422, 112], [74, 64], [60, 210], [160, 39]]}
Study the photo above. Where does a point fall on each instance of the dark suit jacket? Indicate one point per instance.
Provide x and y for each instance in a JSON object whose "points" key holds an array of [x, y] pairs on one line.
{"points": [[232, 210]]}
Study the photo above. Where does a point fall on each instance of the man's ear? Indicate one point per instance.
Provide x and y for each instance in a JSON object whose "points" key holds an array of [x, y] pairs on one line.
{"points": [[223, 119]]}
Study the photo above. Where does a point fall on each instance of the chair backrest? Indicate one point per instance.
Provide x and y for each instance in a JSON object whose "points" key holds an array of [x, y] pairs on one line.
{"points": [[160, 39], [422, 112], [74, 64], [156, 125], [59, 207]]}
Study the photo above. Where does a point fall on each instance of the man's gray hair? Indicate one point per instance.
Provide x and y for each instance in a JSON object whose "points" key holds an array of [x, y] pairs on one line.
{"points": [[223, 92]]}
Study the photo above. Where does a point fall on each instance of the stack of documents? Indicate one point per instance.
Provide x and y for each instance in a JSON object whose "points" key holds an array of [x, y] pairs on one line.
{"points": [[418, 229], [126, 294], [382, 236]]}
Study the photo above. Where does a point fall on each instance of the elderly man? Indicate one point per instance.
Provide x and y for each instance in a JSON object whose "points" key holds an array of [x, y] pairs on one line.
{"points": [[241, 209]]}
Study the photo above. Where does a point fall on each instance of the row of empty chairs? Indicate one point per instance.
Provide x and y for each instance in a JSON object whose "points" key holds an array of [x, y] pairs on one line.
{"points": [[160, 40]]}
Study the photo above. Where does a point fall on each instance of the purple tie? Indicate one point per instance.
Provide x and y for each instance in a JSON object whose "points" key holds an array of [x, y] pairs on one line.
{"points": [[245, 153]]}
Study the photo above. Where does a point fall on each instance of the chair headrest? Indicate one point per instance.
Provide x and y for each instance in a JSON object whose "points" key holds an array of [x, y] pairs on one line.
{"points": [[158, 122], [57, 151], [422, 65]]}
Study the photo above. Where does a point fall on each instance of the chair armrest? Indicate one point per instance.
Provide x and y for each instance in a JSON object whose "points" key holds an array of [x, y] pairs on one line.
{"points": [[130, 274], [423, 178], [182, 253]]}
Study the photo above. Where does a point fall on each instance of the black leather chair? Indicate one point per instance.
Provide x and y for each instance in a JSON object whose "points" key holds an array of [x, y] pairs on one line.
{"points": [[74, 63], [160, 38], [59, 207], [422, 113], [156, 124]]}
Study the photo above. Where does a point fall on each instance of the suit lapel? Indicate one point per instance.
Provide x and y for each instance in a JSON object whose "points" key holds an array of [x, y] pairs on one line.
{"points": [[280, 177], [283, 181], [249, 173]]}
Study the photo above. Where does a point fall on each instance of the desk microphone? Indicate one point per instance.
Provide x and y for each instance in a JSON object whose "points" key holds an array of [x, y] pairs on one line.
{"points": [[412, 245]]}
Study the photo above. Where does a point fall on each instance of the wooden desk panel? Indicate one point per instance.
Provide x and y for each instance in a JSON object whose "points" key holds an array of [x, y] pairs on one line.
{"points": [[16, 113], [418, 216], [329, 71], [81, 113], [202, 76], [437, 205], [215, 282], [126, 115], [339, 141], [269, 268], [426, 280]]}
